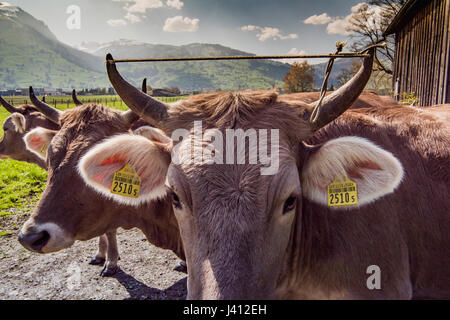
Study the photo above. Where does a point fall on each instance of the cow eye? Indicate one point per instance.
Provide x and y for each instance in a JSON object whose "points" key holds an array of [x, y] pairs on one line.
{"points": [[176, 200], [290, 204], [5, 129]]}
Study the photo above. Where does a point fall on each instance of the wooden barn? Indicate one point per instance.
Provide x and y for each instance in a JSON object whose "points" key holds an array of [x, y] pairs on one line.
{"points": [[422, 51]]}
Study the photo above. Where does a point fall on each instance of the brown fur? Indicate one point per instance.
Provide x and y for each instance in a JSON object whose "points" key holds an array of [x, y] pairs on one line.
{"points": [[329, 251]]}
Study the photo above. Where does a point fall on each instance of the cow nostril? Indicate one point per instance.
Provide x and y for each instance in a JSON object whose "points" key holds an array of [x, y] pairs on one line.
{"points": [[35, 241], [41, 242]]}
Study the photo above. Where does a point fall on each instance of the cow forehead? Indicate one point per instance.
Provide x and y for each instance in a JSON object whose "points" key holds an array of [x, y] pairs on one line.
{"points": [[235, 185]]}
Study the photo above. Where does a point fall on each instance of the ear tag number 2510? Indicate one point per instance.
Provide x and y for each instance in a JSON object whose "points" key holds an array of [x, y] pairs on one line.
{"points": [[126, 182], [342, 192]]}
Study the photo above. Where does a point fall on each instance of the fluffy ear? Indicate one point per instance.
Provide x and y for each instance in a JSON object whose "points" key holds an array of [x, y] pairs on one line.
{"points": [[38, 140], [19, 122], [150, 160], [153, 134], [375, 171]]}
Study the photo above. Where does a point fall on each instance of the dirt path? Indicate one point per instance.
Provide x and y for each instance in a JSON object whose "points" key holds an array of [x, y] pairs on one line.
{"points": [[146, 271]]}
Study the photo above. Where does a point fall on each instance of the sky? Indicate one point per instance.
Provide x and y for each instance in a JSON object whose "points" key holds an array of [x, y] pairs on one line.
{"points": [[256, 26]]}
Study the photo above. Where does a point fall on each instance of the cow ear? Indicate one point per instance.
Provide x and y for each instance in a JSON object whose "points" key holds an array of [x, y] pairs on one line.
{"points": [[20, 122], [149, 159], [38, 140], [375, 171]]}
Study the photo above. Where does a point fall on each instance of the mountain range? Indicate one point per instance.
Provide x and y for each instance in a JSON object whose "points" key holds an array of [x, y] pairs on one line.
{"points": [[30, 54]]}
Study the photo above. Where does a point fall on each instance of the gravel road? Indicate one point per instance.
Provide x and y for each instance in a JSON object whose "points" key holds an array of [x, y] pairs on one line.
{"points": [[146, 271]]}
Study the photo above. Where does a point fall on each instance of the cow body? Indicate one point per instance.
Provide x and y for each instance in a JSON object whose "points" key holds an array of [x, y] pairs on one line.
{"points": [[406, 234], [328, 251]]}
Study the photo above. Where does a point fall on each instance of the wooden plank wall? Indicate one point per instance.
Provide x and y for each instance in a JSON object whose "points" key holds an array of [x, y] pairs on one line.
{"points": [[422, 55]]}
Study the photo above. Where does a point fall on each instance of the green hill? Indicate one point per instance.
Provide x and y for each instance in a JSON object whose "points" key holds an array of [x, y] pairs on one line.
{"points": [[31, 55]]}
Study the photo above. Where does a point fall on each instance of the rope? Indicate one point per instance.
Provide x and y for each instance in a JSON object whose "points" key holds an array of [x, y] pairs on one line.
{"points": [[323, 90], [311, 56]]}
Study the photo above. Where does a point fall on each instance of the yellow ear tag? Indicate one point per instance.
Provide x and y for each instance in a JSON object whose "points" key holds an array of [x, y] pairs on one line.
{"points": [[44, 149], [126, 182], [342, 192]]}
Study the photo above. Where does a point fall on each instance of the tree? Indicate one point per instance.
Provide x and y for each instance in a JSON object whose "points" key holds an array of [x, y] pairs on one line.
{"points": [[346, 74], [367, 25], [300, 78]]}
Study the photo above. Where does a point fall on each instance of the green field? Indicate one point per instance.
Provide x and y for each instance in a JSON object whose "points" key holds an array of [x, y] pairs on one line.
{"points": [[21, 183]]}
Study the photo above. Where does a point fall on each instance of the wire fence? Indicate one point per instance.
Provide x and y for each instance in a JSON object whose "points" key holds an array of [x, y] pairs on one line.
{"points": [[66, 102]]}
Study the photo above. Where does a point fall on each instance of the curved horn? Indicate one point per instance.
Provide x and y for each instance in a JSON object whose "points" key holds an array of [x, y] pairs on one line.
{"points": [[129, 116], [75, 99], [150, 109], [10, 108], [144, 86], [337, 103], [48, 111]]}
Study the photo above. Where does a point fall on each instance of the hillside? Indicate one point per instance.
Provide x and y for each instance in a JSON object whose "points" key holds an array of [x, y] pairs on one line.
{"points": [[30, 54], [191, 75]]}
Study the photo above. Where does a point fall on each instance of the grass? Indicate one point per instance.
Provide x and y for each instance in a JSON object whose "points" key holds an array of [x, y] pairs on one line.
{"points": [[21, 183]]}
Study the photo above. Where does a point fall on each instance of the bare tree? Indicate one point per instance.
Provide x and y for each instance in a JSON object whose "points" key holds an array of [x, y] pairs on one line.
{"points": [[346, 74], [300, 78], [367, 26]]}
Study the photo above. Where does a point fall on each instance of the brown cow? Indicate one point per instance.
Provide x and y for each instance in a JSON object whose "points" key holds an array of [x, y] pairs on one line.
{"points": [[248, 235], [367, 99], [22, 120], [67, 210]]}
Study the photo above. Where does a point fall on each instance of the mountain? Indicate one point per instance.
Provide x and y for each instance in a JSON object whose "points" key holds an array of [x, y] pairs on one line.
{"points": [[338, 66], [191, 75], [30, 54]]}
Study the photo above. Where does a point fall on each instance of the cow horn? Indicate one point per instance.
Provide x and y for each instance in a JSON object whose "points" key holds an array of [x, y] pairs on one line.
{"points": [[75, 99], [337, 103], [10, 108], [48, 111], [150, 109], [129, 116], [43, 99], [144, 86]]}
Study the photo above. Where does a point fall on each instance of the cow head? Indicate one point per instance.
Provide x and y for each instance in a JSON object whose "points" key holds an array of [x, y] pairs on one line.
{"points": [[67, 211], [21, 121]]}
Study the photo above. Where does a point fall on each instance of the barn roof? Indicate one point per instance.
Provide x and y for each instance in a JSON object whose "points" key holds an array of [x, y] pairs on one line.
{"points": [[406, 13]]}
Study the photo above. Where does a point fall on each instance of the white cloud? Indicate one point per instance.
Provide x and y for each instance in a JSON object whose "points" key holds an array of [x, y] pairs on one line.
{"points": [[181, 24], [341, 25], [266, 33], [324, 18], [132, 18], [116, 22], [141, 6], [177, 4], [294, 52], [249, 28]]}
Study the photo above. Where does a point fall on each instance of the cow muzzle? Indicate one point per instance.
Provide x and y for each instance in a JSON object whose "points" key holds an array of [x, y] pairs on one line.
{"points": [[44, 238], [34, 241]]}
